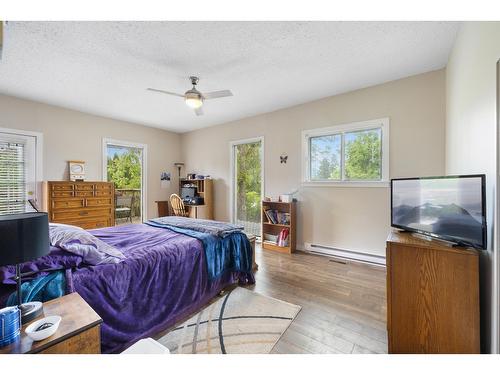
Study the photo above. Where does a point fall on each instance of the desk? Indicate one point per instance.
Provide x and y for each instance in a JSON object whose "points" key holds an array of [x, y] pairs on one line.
{"points": [[198, 211], [162, 208]]}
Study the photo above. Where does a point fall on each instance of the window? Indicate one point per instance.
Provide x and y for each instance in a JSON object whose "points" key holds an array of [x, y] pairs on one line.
{"points": [[349, 154], [20, 161], [124, 163]]}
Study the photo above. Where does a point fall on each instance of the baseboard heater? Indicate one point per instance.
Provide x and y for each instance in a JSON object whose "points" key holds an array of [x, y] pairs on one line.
{"points": [[345, 254]]}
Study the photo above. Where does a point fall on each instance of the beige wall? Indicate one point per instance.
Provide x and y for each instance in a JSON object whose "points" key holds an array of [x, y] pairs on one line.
{"points": [[349, 218], [471, 136], [71, 135]]}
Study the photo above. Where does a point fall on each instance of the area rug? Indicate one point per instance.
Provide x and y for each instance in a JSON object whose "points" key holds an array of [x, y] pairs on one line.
{"points": [[241, 322]]}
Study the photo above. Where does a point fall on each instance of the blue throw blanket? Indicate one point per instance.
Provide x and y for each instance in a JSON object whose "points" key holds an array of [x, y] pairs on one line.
{"points": [[43, 288], [226, 247], [215, 228]]}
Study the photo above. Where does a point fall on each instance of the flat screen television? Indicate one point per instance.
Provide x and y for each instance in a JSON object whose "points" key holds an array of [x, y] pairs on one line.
{"points": [[451, 208]]}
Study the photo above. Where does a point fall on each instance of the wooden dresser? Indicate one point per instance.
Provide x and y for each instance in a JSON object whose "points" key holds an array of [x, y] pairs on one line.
{"points": [[432, 296], [88, 205]]}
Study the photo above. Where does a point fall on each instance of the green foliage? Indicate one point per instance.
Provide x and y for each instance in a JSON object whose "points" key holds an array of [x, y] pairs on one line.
{"points": [[362, 157], [125, 169], [325, 169], [248, 184]]}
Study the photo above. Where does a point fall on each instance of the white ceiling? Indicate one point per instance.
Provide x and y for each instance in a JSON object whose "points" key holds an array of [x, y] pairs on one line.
{"points": [[104, 68]]}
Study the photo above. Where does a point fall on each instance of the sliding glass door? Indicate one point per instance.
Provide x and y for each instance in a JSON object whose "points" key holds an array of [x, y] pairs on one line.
{"points": [[247, 183], [125, 166]]}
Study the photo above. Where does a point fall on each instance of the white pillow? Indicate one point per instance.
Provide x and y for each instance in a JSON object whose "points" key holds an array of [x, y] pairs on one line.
{"points": [[82, 243]]}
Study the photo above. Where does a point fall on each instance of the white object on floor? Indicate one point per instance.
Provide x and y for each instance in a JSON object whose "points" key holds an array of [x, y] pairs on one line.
{"points": [[35, 335], [147, 346]]}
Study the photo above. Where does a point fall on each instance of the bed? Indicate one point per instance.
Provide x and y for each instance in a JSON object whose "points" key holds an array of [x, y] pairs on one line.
{"points": [[163, 279]]}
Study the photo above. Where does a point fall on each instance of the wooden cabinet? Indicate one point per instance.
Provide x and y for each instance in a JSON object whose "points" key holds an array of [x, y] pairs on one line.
{"points": [[79, 331], [89, 205], [432, 296], [197, 211]]}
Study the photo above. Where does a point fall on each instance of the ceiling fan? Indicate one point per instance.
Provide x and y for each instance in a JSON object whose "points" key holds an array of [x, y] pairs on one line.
{"points": [[194, 98]]}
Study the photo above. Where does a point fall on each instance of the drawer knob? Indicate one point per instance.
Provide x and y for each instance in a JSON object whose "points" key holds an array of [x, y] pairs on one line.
{"points": [[83, 213]]}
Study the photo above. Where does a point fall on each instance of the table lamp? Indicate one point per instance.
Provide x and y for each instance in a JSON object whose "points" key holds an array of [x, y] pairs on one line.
{"points": [[24, 237]]}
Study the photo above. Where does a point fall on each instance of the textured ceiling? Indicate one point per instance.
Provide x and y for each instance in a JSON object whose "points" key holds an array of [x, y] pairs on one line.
{"points": [[104, 67]]}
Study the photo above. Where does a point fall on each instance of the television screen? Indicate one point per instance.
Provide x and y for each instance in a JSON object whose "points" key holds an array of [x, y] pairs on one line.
{"points": [[188, 192], [451, 208]]}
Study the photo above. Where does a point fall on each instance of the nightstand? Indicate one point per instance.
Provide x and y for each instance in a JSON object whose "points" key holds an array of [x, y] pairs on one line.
{"points": [[78, 333], [252, 238]]}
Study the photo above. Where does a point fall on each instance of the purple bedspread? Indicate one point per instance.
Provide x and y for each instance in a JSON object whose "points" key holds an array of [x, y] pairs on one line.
{"points": [[163, 280]]}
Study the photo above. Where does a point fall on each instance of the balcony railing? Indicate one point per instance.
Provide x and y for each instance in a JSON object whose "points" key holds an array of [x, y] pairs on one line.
{"points": [[134, 215]]}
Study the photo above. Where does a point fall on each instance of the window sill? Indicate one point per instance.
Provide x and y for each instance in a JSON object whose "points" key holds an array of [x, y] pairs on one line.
{"points": [[345, 184]]}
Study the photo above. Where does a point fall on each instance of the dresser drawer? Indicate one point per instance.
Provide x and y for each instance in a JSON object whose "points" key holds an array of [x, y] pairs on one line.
{"points": [[103, 186], [85, 187], [83, 193], [99, 202], [81, 214], [62, 194], [102, 193], [61, 203], [62, 187]]}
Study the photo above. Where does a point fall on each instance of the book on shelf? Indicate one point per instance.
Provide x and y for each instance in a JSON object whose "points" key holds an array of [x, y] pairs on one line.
{"points": [[283, 237], [277, 217], [269, 215]]}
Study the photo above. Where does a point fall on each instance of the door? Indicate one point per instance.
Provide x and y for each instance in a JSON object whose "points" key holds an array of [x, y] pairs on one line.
{"points": [[247, 183], [124, 164]]}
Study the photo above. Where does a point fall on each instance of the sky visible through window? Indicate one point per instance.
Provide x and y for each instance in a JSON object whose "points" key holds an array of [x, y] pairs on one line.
{"points": [[118, 150], [325, 157]]}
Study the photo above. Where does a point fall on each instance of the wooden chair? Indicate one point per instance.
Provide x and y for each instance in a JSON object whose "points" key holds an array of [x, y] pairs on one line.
{"points": [[178, 206]]}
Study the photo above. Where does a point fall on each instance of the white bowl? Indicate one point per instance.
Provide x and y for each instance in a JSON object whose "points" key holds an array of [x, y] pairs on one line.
{"points": [[43, 334]]}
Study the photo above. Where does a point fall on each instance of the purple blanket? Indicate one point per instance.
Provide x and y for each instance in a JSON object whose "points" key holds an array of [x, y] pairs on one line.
{"points": [[163, 280]]}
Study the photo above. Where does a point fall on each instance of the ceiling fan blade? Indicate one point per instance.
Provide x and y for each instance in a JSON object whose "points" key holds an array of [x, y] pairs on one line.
{"points": [[217, 94], [165, 92], [198, 111]]}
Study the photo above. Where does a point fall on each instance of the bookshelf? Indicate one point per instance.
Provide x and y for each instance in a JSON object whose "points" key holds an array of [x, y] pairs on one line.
{"points": [[271, 230]]}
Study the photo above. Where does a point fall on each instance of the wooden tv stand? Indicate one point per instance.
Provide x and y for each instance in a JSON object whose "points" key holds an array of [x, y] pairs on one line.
{"points": [[432, 296]]}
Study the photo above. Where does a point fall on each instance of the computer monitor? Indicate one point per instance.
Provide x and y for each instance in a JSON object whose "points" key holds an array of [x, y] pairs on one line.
{"points": [[188, 192]]}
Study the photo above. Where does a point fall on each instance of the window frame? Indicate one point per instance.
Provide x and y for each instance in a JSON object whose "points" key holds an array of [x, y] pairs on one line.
{"points": [[382, 124], [144, 169], [37, 154]]}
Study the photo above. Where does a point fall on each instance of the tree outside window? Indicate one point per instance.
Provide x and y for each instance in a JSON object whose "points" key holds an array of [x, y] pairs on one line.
{"points": [[346, 156]]}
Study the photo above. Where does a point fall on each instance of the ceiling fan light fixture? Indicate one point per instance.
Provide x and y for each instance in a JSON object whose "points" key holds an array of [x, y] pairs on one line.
{"points": [[193, 100]]}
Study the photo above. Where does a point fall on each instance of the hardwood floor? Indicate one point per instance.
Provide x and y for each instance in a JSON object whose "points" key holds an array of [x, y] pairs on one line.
{"points": [[343, 305]]}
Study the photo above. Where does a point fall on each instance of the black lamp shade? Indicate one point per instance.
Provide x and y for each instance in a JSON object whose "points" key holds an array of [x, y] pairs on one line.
{"points": [[23, 237]]}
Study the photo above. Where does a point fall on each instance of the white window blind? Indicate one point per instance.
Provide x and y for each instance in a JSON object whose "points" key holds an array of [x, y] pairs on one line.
{"points": [[18, 164], [12, 178]]}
